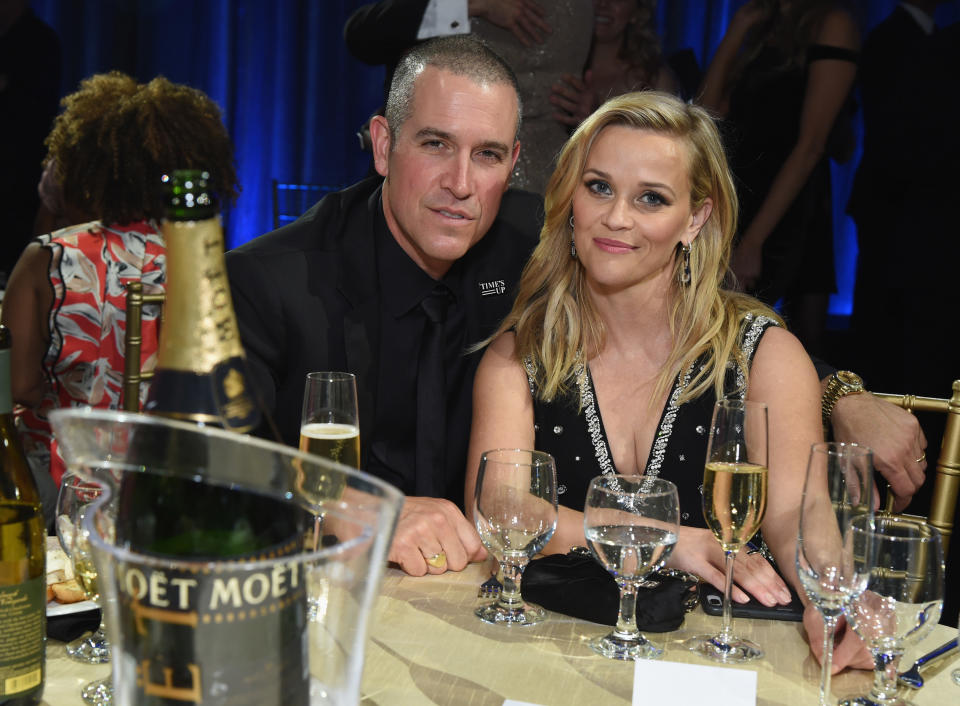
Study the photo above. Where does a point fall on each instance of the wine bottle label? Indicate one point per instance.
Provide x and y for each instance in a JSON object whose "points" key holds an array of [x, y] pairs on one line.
{"points": [[22, 614], [219, 397], [215, 636]]}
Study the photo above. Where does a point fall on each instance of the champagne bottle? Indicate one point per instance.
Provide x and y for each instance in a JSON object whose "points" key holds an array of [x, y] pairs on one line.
{"points": [[232, 623], [23, 586]]}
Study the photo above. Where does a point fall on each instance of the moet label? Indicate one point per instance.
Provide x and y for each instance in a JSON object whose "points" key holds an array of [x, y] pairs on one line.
{"points": [[215, 635]]}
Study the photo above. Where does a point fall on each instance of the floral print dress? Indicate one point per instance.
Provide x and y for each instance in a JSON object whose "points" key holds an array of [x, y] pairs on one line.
{"points": [[90, 266]]}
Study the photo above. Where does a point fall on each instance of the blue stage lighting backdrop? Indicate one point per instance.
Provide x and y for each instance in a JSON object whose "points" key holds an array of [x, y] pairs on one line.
{"points": [[293, 98]]}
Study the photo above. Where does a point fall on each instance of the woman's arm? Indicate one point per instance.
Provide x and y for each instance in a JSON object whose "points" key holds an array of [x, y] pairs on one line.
{"points": [[828, 83], [26, 308], [714, 93], [502, 410], [783, 377]]}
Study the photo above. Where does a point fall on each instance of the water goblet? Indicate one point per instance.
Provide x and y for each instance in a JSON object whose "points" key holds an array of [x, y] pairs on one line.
{"points": [[515, 511], [74, 501], [631, 525], [902, 560], [734, 503], [838, 487]]}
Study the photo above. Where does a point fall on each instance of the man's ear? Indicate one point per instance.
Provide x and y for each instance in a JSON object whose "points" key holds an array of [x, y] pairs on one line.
{"points": [[513, 163], [699, 217], [380, 140]]}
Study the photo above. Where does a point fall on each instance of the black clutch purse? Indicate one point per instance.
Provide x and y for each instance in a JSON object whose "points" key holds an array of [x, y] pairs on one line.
{"points": [[70, 626], [576, 585]]}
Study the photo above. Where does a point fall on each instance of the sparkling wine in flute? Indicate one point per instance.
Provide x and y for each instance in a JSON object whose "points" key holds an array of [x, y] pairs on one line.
{"points": [[734, 501], [338, 442], [631, 551]]}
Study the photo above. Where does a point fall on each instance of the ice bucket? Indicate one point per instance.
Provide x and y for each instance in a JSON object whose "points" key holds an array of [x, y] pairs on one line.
{"points": [[232, 570]]}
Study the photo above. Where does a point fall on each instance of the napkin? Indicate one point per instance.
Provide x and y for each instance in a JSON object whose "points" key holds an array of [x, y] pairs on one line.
{"points": [[576, 585]]}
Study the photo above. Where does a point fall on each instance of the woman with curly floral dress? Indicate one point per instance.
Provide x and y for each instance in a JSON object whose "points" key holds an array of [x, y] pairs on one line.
{"points": [[65, 303]]}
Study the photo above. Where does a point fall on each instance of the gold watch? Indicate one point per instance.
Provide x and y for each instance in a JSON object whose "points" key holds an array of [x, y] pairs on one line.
{"points": [[841, 384]]}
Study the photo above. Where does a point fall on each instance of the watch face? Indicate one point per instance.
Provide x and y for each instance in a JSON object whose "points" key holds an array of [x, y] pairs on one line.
{"points": [[848, 378]]}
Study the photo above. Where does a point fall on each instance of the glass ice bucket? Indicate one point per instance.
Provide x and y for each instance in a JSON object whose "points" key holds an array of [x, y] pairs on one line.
{"points": [[231, 570]]}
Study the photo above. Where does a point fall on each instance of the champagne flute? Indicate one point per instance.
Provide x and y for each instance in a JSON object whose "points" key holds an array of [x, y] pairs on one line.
{"points": [[631, 525], [329, 425], [74, 502], [838, 487], [734, 503], [515, 511], [902, 560]]}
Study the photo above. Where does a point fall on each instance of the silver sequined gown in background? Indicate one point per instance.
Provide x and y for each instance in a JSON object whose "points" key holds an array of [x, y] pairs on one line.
{"points": [[538, 68]]}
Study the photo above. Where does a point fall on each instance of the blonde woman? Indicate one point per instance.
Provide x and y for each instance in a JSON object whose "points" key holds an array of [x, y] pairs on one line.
{"points": [[622, 336]]}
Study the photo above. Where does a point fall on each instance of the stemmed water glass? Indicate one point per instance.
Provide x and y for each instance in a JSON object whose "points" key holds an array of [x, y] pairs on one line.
{"points": [[838, 487], [75, 500], [631, 525], [515, 510], [901, 604], [734, 503]]}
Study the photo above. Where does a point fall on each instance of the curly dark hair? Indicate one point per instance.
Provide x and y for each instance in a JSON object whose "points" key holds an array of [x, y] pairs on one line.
{"points": [[641, 44], [115, 138]]}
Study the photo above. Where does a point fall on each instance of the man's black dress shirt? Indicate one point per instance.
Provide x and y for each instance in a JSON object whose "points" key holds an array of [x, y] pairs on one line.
{"points": [[403, 285]]}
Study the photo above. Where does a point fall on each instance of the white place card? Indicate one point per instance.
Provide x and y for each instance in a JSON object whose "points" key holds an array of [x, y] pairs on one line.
{"points": [[656, 682], [511, 702]]}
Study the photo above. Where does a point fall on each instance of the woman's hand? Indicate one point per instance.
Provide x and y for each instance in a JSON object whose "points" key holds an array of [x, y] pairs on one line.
{"points": [[699, 552], [576, 98], [524, 18], [747, 17], [747, 264], [848, 648]]}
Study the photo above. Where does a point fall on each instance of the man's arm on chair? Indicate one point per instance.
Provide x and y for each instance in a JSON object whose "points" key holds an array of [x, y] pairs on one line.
{"points": [[894, 435]]}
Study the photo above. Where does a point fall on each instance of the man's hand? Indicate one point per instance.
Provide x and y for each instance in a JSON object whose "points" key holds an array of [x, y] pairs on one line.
{"points": [[699, 552], [848, 649], [524, 18], [431, 526], [898, 443]]}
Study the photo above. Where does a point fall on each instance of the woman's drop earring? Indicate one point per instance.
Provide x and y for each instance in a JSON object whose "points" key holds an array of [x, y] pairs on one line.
{"points": [[685, 273], [573, 245]]}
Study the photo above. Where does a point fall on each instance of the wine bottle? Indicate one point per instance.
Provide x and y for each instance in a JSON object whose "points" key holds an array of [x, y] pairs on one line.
{"points": [[23, 576], [225, 639]]}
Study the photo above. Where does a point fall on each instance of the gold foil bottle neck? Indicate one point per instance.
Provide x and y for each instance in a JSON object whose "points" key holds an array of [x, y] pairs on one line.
{"points": [[201, 329]]}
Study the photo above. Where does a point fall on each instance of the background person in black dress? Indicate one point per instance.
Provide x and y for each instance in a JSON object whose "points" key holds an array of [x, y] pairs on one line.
{"points": [[781, 77]]}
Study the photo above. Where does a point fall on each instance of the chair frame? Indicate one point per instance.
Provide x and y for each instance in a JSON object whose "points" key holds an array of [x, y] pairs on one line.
{"points": [[132, 343], [946, 485]]}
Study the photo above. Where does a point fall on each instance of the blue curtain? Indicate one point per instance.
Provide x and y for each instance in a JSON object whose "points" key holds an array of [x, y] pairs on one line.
{"points": [[293, 98]]}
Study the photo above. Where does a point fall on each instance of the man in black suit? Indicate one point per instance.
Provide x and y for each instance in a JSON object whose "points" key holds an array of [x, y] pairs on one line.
{"points": [[902, 204], [354, 283]]}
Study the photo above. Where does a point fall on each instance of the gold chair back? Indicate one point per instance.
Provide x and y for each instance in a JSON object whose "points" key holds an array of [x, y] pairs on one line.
{"points": [[946, 484], [132, 343]]}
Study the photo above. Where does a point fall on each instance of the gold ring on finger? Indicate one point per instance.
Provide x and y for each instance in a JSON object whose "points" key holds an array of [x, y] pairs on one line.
{"points": [[922, 458], [437, 561]]}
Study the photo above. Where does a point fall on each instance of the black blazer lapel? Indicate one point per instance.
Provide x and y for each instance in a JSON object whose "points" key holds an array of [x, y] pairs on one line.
{"points": [[357, 283]]}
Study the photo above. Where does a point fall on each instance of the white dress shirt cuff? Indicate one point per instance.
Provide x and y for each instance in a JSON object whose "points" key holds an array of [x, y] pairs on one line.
{"points": [[442, 18]]}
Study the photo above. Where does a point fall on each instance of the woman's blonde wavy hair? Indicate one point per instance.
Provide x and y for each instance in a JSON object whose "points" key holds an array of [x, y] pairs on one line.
{"points": [[553, 318]]}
